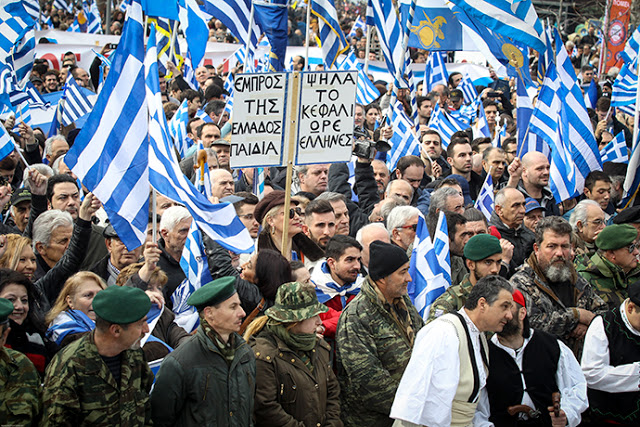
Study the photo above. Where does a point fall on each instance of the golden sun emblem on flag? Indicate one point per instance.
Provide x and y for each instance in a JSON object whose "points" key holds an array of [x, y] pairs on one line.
{"points": [[429, 31], [513, 54]]}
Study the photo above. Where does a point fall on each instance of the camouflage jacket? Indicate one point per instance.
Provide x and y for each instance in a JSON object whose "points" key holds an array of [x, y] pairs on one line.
{"points": [[609, 280], [544, 308], [451, 300], [79, 389], [372, 354], [458, 270], [19, 389], [583, 250]]}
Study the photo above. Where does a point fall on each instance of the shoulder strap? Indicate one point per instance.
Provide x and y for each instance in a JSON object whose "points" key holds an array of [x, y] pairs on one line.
{"points": [[472, 357], [251, 316]]}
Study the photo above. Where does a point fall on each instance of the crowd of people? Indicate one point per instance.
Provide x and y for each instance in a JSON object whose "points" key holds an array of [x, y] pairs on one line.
{"points": [[540, 325]]}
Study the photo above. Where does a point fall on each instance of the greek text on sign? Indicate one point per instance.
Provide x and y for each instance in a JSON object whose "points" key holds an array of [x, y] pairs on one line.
{"points": [[259, 106], [325, 132]]}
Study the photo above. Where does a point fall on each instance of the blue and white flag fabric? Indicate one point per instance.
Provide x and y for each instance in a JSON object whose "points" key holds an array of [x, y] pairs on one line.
{"points": [[228, 86], [366, 92], [625, 88], [516, 19], [203, 116], [164, 32], [546, 123], [74, 102], [444, 124], [404, 141], [219, 221], [196, 269], [616, 150], [434, 26], [88, 19], [591, 95], [69, 322], [15, 22], [481, 127], [430, 266], [358, 23], [468, 89], [527, 141], [486, 201], [153, 316], [435, 71], [333, 41], [32, 7], [259, 176], [7, 145], [21, 60], [271, 16], [178, 128], [193, 22], [67, 6], [203, 180], [631, 49], [190, 73], [110, 154], [632, 180], [383, 15]]}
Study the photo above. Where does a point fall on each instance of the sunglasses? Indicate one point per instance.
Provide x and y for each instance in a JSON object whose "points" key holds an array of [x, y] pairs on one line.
{"points": [[633, 247], [413, 227], [295, 211]]}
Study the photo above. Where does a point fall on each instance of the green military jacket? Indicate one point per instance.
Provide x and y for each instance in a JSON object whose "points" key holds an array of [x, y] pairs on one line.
{"points": [[79, 389], [372, 354], [451, 300], [20, 391], [609, 280]]}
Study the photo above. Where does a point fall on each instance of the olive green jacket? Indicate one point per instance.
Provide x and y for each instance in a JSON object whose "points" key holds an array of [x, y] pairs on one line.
{"points": [[451, 300]]}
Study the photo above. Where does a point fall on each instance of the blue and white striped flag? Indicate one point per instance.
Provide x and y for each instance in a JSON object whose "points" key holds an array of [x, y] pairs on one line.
{"points": [[193, 22], [7, 145], [258, 182], [435, 71], [486, 202], [591, 95], [74, 102], [21, 60], [189, 72], [110, 154], [178, 128], [630, 52], [15, 22], [632, 181], [430, 266], [219, 221], [204, 116], [516, 19], [527, 141], [203, 180], [196, 269], [67, 6], [32, 7], [404, 141], [390, 34], [616, 150], [366, 92], [624, 88], [358, 23], [228, 86], [500, 135], [468, 89], [481, 127], [333, 41], [546, 123], [444, 124]]}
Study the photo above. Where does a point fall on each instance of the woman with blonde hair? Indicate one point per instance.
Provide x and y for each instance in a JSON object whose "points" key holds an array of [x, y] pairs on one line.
{"points": [[72, 314], [19, 255], [295, 384]]}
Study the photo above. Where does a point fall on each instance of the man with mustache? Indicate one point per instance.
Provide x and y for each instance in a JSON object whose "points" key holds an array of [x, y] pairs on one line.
{"points": [[559, 301], [102, 379], [531, 177]]}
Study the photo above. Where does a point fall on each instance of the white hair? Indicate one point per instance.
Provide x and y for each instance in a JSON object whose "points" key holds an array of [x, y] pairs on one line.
{"points": [[49, 143], [580, 212], [40, 167], [172, 216], [367, 228], [399, 217], [46, 223]]}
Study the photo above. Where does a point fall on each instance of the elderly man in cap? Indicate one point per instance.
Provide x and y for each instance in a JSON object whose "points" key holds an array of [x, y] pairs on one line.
{"points": [[102, 379], [533, 213], [610, 363], [374, 338], [587, 220], [117, 259], [527, 367], [21, 208], [20, 383], [615, 265], [445, 379], [210, 379], [483, 257]]}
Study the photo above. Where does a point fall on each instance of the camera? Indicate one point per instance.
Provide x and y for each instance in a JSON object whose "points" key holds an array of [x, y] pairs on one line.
{"points": [[364, 147]]}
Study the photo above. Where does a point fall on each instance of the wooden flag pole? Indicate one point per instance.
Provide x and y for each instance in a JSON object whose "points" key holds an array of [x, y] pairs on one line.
{"points": [[286, 251]]}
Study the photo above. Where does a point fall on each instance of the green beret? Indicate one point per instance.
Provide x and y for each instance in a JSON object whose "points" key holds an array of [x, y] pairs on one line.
{"points": [[482, 246], [213, 292], [121, 304], [6, 308], [616, 236]]}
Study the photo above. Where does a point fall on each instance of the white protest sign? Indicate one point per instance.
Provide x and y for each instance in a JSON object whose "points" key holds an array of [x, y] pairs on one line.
{"points": [[259, 111], [325, 132]]}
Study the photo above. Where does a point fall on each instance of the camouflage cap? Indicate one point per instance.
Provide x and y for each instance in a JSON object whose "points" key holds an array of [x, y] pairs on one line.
{"points": [[616, 236], [6, 308], [121, 304], [295, 302]]}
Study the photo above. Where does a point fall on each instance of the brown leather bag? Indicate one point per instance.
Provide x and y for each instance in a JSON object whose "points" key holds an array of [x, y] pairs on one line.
{"points": [[251, 316]]}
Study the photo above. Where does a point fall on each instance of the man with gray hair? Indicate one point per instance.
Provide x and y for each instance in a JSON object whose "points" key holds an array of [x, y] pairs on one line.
{"points": [[55, 147], [313, 179], [365, 236], [446, 199], [117, 259], [587, 221], [402, 224], [174, 230], [508, 219]]}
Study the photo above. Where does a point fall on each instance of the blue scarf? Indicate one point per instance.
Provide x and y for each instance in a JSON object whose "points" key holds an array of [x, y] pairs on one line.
{"points": [[326, 288], [69, 322]]}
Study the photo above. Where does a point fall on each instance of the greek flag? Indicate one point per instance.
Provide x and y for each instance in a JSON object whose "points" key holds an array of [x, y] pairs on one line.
{"points": [[15, 22], [21, 61], [203, 116], [110, 154], [74, 102], [383, 14], [435, 71], [632, 181], [203, 180], [359, 23], [630, 52], [178, 128], [591, 95], [485, 202], [34, 98], [616, 150], [258, 182], [32, 7], [164, 28], [481, 127], [546, 123], [430, 266], [228, 86], [23, 114], [69, 322], [88, 19], [333, 41], [624, 87], [6, 143], [444, 124], [516, 19], [219, 221], [68, 6], [196, 269], [404, 141], [193, 22], [500, 135], [366, 92], [527, 141], [468, 89], [189, 72]]}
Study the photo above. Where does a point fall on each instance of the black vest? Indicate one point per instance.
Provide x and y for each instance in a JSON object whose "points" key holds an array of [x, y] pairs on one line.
{"points": [[624, 348], [504, 386]]}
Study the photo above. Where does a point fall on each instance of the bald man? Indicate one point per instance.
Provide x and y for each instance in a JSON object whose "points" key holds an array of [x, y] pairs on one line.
{"points": [[400, 188], [531, 177], [368, 234]]}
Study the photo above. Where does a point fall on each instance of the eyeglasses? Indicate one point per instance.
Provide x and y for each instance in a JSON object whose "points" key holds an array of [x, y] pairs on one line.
{"points": [[248, 216], [597, 222], [413, 227], [633, 247], [295, 211]]}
